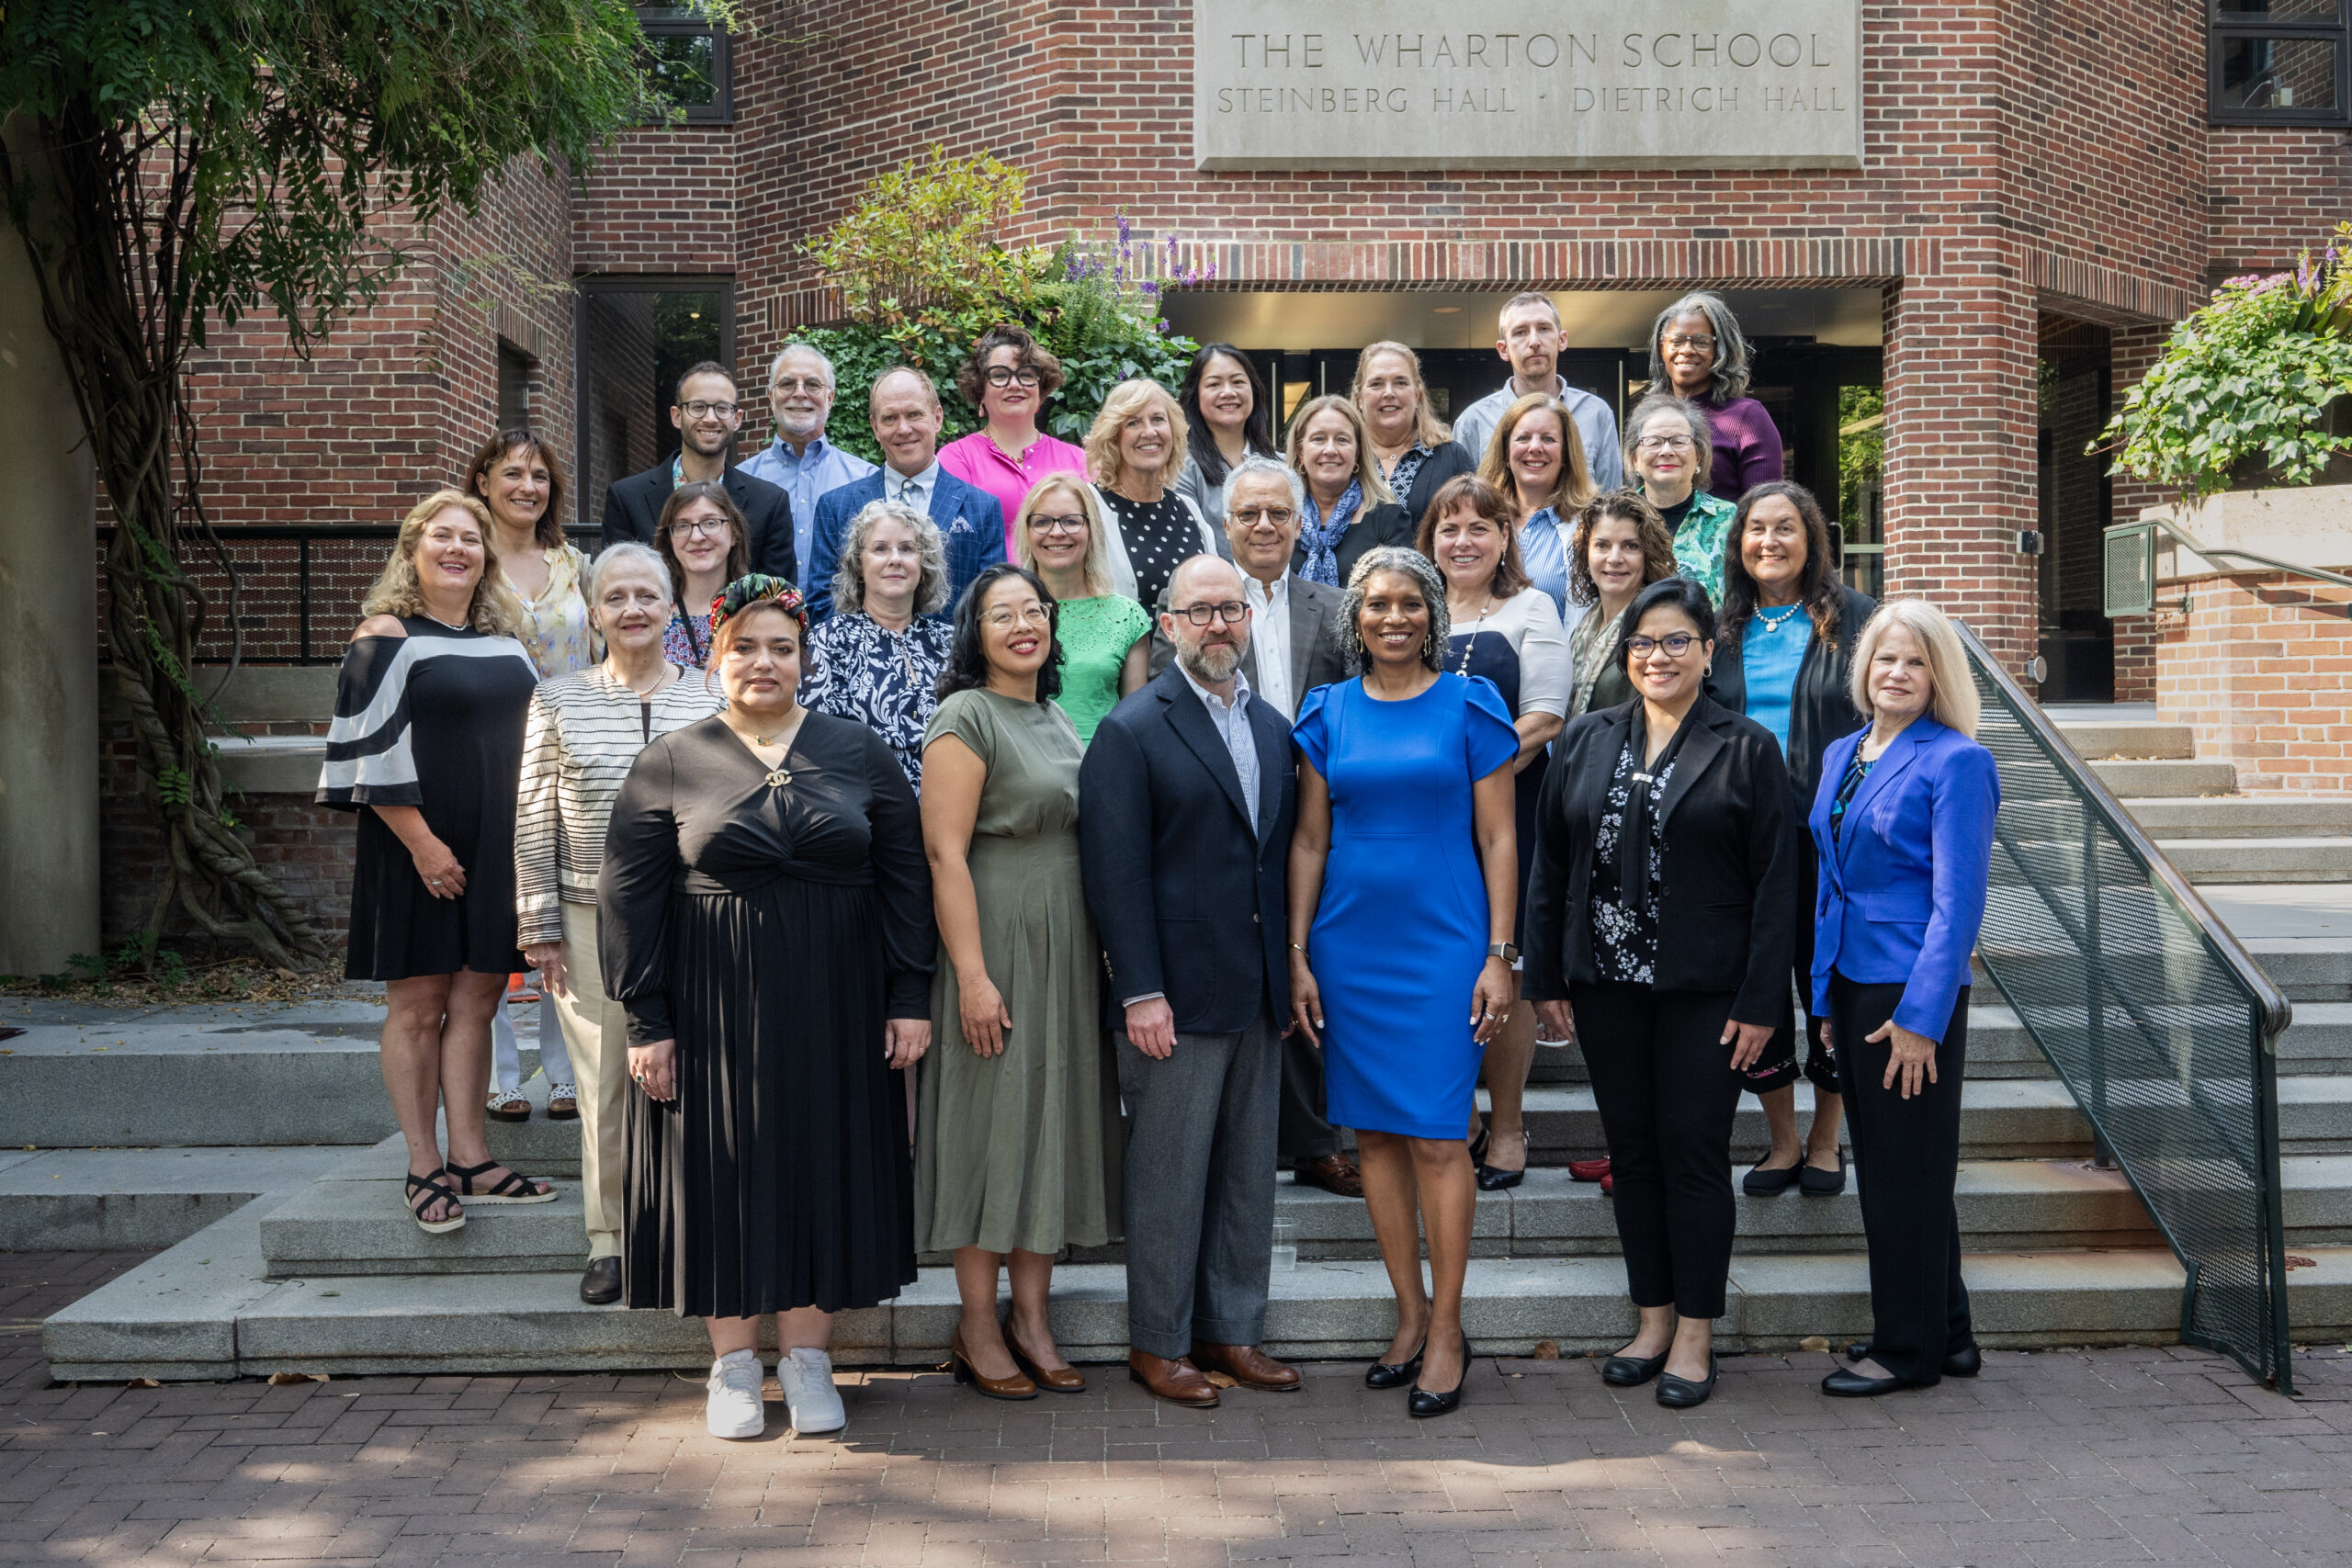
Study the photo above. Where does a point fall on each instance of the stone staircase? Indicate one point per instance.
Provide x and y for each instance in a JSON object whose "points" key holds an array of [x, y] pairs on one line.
{"points": [[322, 1272]]}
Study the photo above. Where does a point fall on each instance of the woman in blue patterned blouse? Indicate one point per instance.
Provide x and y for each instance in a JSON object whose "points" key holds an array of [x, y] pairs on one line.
{"points": [[877, 660]]}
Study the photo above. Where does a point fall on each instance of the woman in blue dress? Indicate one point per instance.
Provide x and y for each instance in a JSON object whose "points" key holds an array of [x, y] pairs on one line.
{"points": [[1404, 888]]}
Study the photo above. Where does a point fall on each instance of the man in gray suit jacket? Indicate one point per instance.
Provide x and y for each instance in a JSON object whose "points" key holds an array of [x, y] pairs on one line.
{"points": [[1294, 648]]}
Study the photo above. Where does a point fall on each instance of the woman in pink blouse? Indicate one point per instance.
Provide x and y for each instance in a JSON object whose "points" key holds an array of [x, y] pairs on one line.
{"points": [[1008, 379]]}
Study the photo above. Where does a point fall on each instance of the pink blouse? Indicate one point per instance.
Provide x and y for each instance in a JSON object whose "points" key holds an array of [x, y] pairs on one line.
{"points": [[978, 460]]}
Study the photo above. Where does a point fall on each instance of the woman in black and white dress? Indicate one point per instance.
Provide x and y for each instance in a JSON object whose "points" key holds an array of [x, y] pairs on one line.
{"points": [[427, 748]]}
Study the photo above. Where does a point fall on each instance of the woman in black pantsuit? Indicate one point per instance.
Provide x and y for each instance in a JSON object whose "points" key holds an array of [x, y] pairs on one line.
{"points": [[764, 918], [1657, 931]]}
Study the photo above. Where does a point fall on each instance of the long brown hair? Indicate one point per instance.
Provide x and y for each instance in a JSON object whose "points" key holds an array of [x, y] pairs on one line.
{"points": [[1818, 589], [1574, 485], [1469, 490], [548, 531], [738, 548]]}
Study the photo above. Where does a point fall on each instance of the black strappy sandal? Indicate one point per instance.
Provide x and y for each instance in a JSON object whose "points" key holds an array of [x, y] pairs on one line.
{"points": [[434, 1189], [514, 1188]]}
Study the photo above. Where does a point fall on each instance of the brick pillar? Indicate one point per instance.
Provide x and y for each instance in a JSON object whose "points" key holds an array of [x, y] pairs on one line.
{"points": [[1959, 453], [2130, 351]]}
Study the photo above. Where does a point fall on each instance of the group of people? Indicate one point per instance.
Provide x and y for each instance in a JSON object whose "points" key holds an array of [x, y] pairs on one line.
{"points": [[1089, 830]]}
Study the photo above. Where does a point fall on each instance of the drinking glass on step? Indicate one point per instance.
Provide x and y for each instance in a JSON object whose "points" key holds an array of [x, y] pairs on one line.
{"points": [[1285, 1259]]}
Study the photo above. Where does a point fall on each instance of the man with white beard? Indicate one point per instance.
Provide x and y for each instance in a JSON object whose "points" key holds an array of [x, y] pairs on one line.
{"points": [[1185, 805]]}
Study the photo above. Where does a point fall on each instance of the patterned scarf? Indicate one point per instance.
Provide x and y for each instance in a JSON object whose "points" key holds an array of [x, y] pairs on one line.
{"points": [[1321, 539]]}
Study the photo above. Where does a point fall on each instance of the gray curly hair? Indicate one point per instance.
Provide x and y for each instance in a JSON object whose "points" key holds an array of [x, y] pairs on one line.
{"points": [[1425, 576], [1729, 379], [849, 572]]}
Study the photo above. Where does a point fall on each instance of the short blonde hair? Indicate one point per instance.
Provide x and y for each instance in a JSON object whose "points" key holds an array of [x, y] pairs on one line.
{"points": [[1375, 489], [1098, 548], [1953, 701], [400, 592], [1105, 462]]}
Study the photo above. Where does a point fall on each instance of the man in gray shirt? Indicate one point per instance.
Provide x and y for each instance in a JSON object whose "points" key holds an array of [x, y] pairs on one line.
{"points": [[1531, 342]]}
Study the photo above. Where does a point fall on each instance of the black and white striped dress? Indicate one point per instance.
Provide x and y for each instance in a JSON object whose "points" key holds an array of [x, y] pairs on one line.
{"points": [[433, 720]]}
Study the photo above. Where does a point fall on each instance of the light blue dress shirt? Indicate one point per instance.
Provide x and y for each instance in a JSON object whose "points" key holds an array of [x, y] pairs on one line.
{"points": [[1474, 427], [805, 477]]}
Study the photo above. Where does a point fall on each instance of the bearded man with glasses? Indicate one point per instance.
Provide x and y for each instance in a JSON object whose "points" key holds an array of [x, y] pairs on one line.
{"points": [[706, 415]]}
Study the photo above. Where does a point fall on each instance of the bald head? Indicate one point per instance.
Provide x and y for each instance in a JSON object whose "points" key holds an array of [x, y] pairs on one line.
{"points": [[1209, 653], [906, 419]]}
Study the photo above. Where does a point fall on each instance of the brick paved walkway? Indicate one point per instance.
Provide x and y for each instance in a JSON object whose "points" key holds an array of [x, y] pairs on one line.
{"points": [[2115, 1456]]}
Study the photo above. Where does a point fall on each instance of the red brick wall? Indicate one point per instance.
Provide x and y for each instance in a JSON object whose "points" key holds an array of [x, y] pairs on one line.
{"points": [[2259, 668]]}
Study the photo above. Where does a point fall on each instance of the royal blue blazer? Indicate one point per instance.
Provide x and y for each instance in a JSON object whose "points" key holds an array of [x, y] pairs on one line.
{"points": [[972, 524], [1902, 899]]}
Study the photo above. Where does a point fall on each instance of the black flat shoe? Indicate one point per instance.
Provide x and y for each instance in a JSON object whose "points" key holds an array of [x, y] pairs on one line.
{"points": [[1965, 1362], [1681, 1394], [1396, 1374], [1847, 1383], [1495, 1178], [1631, 1371], [600, 1285], [1762, 1183], [1422, 1403], [1817, 1183]]}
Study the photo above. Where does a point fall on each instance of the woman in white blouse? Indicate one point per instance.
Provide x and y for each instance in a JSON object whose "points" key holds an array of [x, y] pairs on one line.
{"points": [[583, 732], [1507, 630]]}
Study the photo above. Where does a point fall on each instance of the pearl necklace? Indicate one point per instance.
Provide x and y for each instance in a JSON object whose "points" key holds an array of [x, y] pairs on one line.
{"points": [[1772, 623]]}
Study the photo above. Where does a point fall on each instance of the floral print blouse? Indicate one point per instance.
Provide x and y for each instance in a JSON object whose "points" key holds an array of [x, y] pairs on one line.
{"points": [[857, 669], [555, 625], [1624, 936]]}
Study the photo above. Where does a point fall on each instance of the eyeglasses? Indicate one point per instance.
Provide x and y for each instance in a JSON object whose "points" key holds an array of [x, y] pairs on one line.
{"points": [[800, 384], [1231, 613], [1035, 616], [1676, 644], [1689, 340], [1006, 375], [1664, 444], [1274, 516], [709, 527], [1057, 524], [698, 409]]}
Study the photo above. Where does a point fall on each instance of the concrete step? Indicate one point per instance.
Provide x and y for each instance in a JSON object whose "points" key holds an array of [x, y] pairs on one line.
{"points": [[145, 1200], [2267, 816], [2283, 859], [2000, 1118], [2100, 739], [2142, 779], [203, 1310]]}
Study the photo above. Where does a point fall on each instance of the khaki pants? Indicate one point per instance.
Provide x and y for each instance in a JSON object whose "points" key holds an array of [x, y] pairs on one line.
{"points": [[597, 1030]]}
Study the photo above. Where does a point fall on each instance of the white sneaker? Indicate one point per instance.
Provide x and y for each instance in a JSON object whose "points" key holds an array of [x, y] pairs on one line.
{"points": [[734, 1408], [806, 1378]]}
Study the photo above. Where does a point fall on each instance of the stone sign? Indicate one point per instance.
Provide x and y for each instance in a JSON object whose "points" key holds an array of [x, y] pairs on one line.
{"points": [[1527, 84]]}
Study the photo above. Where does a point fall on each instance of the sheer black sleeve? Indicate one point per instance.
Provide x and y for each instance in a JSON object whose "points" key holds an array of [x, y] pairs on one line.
{"points": [[902, 876], [633, 895]]}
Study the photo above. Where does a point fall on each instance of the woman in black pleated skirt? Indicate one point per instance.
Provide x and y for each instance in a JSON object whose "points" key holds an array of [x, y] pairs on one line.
{"points": [[765, 919]]}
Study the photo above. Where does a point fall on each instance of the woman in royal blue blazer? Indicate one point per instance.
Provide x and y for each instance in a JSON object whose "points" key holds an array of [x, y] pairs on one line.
{"points": [[1903, 823]]}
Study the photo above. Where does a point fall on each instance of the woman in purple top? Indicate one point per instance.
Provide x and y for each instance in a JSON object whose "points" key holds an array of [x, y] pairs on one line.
{"points": [[1698, 351], [1008, 379]]}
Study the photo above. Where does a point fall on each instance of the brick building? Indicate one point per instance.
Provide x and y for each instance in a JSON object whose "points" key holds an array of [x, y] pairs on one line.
{"points": [[2042, 187]]}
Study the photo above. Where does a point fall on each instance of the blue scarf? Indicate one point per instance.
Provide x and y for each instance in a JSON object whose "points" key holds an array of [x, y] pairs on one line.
{"points": [[1320, 539]]}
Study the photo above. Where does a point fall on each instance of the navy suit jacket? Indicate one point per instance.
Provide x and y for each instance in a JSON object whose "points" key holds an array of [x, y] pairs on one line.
{"points": [[971, 525], [633, 510], [1901, 898], [1189, 902]]}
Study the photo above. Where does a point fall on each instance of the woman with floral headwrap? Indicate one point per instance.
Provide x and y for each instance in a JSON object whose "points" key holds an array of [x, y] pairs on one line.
{"points": [[764, 916]]}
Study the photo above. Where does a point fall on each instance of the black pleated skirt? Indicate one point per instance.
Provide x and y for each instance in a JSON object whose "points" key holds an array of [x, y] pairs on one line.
{"points": [[779, 1177]]}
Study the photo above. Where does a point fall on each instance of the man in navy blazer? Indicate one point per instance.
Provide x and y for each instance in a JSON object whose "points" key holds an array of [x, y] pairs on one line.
{"points": [[1186, 800], [907, 417], [708, 417]]}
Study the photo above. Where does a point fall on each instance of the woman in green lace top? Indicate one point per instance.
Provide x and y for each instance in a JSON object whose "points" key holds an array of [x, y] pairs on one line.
{"points": [[1105, 637]]}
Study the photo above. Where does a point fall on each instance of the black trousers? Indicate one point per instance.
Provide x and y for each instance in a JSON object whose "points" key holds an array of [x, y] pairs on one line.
{"points": [[1304, 1131], [1776, 1067], [1662, 1077], [1906, 1158]]}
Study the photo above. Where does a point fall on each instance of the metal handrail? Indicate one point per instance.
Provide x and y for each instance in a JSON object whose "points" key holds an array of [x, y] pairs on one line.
{"points": [[2180, 536], [2245, 1132]]}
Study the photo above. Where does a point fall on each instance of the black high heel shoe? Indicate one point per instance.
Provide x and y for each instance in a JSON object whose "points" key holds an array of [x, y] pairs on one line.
{"points": [[1396, 1374], [1423, 1403], [1631, 1371], [1681, 1394]]}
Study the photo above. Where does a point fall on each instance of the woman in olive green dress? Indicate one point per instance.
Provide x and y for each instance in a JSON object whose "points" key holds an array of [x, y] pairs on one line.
{"points": [[1017, 1140]]}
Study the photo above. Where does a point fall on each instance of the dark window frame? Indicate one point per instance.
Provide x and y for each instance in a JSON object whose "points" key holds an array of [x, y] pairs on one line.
{"points": [[719, 283], [2223, 29], [671, 21]]}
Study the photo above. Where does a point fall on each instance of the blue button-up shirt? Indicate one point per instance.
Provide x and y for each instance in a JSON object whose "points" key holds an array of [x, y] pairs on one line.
{"points": [[805, 477]]}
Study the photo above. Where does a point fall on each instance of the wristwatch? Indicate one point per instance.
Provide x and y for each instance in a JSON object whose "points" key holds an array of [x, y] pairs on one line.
{"points": [[1503, 951]]}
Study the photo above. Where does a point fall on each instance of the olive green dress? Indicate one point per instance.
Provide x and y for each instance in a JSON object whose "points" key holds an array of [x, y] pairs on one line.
{"points": [[1021, 1150]]}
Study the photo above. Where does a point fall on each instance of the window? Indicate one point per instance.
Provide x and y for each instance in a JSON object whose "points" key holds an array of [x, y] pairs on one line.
{"points": [[637, 336], [2277, 62], [513, 387], [690, 57]]}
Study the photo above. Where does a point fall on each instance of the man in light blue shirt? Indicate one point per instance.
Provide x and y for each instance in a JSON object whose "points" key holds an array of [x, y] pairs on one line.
{"points": [[1531, 342], [800, 461]]}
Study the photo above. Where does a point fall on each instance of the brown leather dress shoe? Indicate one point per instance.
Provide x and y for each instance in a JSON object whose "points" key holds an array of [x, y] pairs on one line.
{"points": [[1333, 1173], [1059, 1380], [1178, 1382], [1247, 1365]]}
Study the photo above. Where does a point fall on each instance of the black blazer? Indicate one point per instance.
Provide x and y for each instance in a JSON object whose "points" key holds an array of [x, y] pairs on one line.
{"points": [[1390, 524], [1443, 463], [633, 509], [1730, 861], [1822, 708], [1187, 901]]}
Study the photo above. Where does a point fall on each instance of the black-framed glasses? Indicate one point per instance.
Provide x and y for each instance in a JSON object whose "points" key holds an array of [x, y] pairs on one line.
{"points": [[699, 408], [1006, 375], [1064, 524], [1676, 644], [688, 528], [1232, 612]]}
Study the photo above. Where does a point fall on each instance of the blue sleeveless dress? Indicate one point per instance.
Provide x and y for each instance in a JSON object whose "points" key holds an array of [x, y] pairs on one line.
{"points": [[1401, 931]]}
